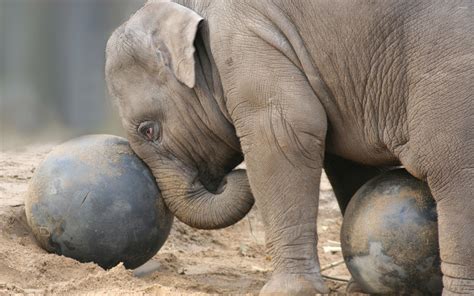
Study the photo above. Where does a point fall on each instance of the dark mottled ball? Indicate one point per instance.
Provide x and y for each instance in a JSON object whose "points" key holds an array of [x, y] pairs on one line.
{"points": [[389, 236], [93, 199]]}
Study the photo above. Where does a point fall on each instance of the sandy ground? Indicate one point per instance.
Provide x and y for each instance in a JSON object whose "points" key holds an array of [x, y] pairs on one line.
{"points": [[229, 261]]}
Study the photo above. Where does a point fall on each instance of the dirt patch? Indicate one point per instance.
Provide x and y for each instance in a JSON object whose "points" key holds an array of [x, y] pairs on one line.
{"points": [[231, 260]]}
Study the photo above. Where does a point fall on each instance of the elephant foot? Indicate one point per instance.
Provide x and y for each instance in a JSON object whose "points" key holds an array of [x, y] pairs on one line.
{"points": [[295, 284], [457, 286], [457, 279], [354, 287]]}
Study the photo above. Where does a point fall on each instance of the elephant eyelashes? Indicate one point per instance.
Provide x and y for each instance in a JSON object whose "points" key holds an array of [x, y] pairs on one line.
{"points": [[149, 130]]}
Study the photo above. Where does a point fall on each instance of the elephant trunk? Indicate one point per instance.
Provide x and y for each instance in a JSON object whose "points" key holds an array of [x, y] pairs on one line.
{"points": [[189, 200]]}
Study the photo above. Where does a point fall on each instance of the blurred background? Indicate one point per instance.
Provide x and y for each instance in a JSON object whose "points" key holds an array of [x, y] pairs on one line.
{"points": [[52, 55]]}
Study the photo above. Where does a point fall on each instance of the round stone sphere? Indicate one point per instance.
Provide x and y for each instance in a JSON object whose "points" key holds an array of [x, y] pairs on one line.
{"points": [[389, 236], [94, 200]]}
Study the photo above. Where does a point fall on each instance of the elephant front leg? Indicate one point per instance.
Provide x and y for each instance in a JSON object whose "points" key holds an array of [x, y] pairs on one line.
{"points": [[284, 156]]}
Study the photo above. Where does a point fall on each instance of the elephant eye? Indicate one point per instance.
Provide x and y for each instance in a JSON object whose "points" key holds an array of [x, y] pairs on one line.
{"points": [[149, 133], [149, 130]]}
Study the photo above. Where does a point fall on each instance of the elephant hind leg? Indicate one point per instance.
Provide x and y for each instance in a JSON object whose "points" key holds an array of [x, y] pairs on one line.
{"points": [[346, 177], [440, 126], [455, 205], [448, 167]]}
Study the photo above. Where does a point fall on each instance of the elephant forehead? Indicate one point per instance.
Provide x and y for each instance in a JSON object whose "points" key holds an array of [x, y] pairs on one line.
{"points": [[138, 102], [143, 101]]}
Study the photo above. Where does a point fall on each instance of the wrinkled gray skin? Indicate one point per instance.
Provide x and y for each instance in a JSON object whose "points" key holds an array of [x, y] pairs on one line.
{"points": [[202, 85]]}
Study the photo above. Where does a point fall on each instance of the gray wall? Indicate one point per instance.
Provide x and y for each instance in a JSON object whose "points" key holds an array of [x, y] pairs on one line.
{"points": [[52, 68]]}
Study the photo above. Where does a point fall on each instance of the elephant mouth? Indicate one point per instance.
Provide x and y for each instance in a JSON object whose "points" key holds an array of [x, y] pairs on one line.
{"points": [[211, 183], [204, 200]]}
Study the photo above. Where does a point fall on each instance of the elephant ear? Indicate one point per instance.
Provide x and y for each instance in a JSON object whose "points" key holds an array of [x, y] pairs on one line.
{"points": [[173, 29]]}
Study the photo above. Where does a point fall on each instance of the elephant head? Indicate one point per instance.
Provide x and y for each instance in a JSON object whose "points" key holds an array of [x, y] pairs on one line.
{"points": [[170, 102]]}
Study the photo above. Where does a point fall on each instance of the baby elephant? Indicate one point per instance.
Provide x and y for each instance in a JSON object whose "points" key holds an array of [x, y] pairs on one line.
{"points": [[293, 87]]}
